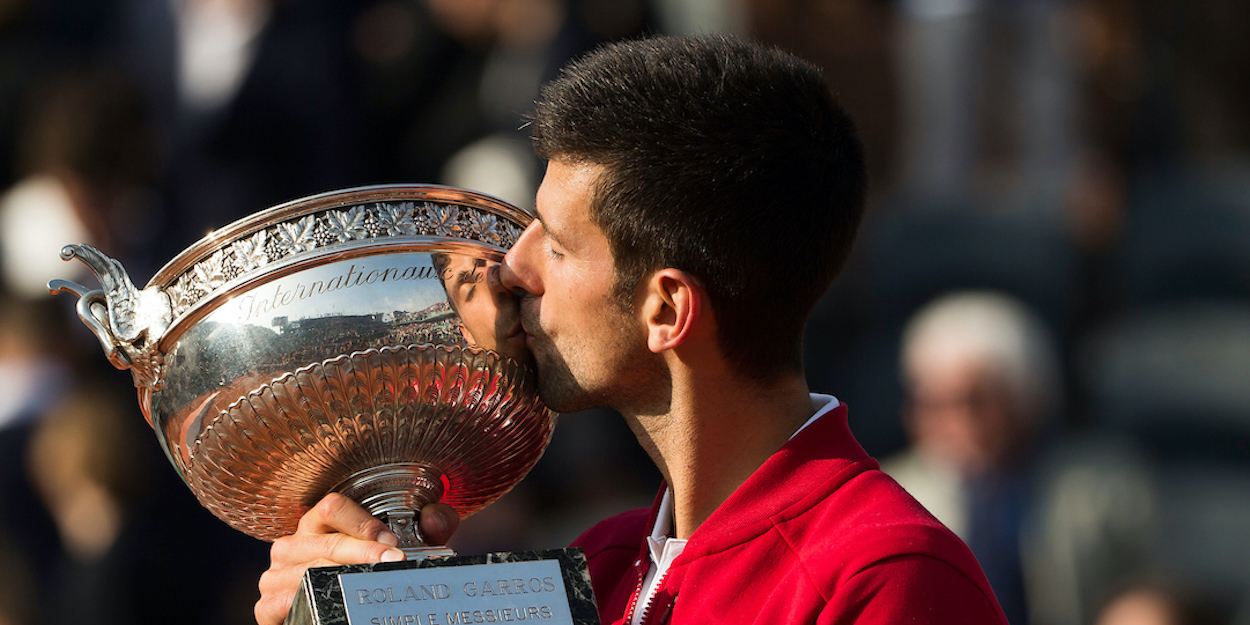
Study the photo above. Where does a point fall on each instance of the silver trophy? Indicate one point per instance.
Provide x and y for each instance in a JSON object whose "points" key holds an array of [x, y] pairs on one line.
{"points": [[357, 342]]}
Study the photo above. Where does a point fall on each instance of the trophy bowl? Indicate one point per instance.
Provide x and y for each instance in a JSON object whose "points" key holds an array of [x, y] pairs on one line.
{"points": [[356, 341]]}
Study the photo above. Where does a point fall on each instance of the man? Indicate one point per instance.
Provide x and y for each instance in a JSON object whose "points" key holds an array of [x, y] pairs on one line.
{"points": [[982, 378], [700, 196]]}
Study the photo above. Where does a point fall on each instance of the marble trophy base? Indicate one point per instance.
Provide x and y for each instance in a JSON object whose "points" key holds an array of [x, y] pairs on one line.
{"points": [[550, 587]]}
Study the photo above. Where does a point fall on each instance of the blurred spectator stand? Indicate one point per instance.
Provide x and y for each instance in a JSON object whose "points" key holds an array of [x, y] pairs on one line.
{"points": [[1188, 233], [1175, 378]]}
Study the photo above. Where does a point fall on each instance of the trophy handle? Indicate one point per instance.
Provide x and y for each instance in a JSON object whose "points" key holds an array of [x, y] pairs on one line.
{"points": [[127, 321], [93, 311]]}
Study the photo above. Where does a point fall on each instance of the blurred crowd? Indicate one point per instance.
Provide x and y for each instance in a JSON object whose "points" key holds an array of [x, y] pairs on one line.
{"points": [[1044, 332]]}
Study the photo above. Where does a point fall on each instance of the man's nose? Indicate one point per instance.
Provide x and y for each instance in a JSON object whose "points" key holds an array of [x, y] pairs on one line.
{"points": [[517, 273]]}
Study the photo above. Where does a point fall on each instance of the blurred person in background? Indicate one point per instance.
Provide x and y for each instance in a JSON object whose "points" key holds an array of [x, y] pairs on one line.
{"points": [[259, 102], [88, 169], [1056, 522], [1155, 603], [84, 166], [85, 461], [39, 38], [982, 379], [29, 380], [32, 378], [84, 162], [443, 82], [16, 588], [989, 99], [18, 67], [134, 546], [252, 101], [87, 164]]}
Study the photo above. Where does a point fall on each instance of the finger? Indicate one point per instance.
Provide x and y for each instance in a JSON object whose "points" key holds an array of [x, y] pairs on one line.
{"points": [[331, 549], [278, 588], [272, 609], [286, 579], [336, 513], [277, 581], [438, 522]]}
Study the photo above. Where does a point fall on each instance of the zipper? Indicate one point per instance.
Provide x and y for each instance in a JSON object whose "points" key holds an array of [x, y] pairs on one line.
{"points": [[648, 603], [633, 599]]}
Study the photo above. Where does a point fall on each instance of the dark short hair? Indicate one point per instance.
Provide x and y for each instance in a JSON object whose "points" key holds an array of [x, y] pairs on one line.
{"points": [[441, 261], [723, 158]]}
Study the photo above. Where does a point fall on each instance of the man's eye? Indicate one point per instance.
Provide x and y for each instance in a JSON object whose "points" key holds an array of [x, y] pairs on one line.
{"points": [[551, 251]]}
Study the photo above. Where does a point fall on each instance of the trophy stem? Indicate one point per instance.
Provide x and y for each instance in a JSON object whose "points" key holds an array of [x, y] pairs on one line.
{"points": [[395, 493]]}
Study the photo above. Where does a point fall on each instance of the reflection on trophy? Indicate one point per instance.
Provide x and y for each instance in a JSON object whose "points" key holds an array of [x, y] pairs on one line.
{"points": [[490, 317], [355, 342]]}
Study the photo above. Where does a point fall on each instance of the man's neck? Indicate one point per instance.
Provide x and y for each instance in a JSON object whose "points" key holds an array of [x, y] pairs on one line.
{"points": [[714, 436]]}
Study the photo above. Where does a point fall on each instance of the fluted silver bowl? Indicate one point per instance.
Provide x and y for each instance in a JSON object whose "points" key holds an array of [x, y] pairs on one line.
{"points": [[355, 341]]}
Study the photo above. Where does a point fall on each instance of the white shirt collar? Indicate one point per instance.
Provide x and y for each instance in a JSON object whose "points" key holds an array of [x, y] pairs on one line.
{"points": [[823, 405]]}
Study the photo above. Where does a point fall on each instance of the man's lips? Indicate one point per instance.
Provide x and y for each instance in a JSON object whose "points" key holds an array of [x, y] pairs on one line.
{"points": [[528, 319], [517, 334], [529, 337], [520, 336]]}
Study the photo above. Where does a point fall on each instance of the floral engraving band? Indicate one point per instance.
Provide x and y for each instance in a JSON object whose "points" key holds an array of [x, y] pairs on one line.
{"points": [[334, 227]]}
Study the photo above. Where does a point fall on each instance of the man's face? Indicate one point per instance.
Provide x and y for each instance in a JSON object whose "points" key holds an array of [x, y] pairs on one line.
{"points": [[589, 349], [489, 313], [963, 415]]}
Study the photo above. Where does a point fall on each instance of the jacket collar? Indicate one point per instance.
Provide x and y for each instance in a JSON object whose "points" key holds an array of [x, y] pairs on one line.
{"points": [[818, 459]]}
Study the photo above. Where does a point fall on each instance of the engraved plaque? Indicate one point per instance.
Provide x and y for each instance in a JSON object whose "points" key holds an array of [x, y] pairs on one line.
{"points": [[550, 587], [474, 593]]}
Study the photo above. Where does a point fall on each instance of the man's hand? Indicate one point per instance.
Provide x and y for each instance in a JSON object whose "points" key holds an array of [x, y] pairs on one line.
{"points": [[336, 531]]}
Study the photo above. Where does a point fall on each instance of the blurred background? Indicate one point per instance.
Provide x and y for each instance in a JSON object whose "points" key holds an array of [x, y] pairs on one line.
{"points": [[1044, 332]]}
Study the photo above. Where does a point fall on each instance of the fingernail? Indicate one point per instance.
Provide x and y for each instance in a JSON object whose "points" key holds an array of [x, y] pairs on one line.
{"points": [[389, 539], [392, 555]]}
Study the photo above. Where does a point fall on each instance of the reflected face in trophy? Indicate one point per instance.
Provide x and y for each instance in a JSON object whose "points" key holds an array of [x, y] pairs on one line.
{"points": [[489, 313], [590, 349]]}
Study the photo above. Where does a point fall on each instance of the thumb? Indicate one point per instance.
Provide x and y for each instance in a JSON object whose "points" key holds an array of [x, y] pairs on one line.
{"points": [[438, 523]]}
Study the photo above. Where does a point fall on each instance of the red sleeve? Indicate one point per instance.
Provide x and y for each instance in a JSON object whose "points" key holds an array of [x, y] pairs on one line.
{"points": [[911, 589]]}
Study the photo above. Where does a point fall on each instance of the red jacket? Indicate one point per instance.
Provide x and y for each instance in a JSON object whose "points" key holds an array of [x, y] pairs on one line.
{"points": [[818, 534]]}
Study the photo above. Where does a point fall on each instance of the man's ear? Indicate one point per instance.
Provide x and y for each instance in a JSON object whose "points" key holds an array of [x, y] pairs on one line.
{"points": [[671, 309], [468, 336]]}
